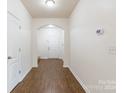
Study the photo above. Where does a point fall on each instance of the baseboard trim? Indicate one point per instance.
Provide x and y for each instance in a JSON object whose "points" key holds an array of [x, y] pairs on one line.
{"points": [[25, 74], [22, 78], [65, 66], [79, 80]]}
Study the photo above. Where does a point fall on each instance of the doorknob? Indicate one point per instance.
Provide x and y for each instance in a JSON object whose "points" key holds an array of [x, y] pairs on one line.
{"points": [[9, 57]]}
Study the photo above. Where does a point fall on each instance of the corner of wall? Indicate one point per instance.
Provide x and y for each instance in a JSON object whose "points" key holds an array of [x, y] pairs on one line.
{"points": [[35, 65]]}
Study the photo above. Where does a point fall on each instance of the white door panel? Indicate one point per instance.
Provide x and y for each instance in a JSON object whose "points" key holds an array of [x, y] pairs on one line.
{"points": [[50, 42], [13, 44], [42, 44], [12, 75]]}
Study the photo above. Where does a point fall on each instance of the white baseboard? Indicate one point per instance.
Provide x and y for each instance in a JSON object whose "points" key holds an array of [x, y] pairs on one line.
{"points": [[43, 57], [79, 80], [65, 66], [25, 74]]}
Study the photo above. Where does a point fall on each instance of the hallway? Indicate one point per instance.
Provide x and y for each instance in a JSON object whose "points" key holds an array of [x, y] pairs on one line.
{"points": [[82, 33], [49, 77]]}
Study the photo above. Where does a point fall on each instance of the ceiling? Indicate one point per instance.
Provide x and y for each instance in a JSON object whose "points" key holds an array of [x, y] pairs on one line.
{"points": [[61, 9]]}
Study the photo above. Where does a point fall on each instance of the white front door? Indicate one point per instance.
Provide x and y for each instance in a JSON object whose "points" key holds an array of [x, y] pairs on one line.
{"points": [[12, 52], [50, 42], [56, 40]]}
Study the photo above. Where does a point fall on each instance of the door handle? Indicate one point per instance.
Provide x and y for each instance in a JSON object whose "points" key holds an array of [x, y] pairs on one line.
{"points": [[9, 57]]}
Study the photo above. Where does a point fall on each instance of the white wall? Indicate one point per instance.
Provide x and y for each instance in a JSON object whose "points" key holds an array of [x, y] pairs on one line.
{"points": [[17, 9], [93, 56], [55, 21]]}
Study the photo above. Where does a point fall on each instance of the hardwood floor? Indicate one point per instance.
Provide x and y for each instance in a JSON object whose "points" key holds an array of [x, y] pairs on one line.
{"points": [[49, 77]]}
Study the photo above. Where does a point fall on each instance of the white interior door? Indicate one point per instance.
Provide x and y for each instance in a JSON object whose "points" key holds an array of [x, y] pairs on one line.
{"points": [[56, 40], [12, 52], [51, 42], [42, 44]]}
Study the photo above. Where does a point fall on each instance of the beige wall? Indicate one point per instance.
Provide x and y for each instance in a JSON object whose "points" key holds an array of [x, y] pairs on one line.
{"points": [[93, 56], [62, 22]]}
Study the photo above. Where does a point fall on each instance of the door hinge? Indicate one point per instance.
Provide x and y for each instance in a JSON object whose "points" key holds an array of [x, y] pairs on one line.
{"points": [[20, 72], [20, 27]]}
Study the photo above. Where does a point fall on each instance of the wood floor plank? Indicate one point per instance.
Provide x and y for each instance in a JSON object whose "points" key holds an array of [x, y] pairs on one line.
{"points": [[49, 77]]}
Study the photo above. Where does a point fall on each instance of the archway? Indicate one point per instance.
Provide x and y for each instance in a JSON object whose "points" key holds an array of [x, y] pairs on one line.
{"points": [[50, 42]]}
